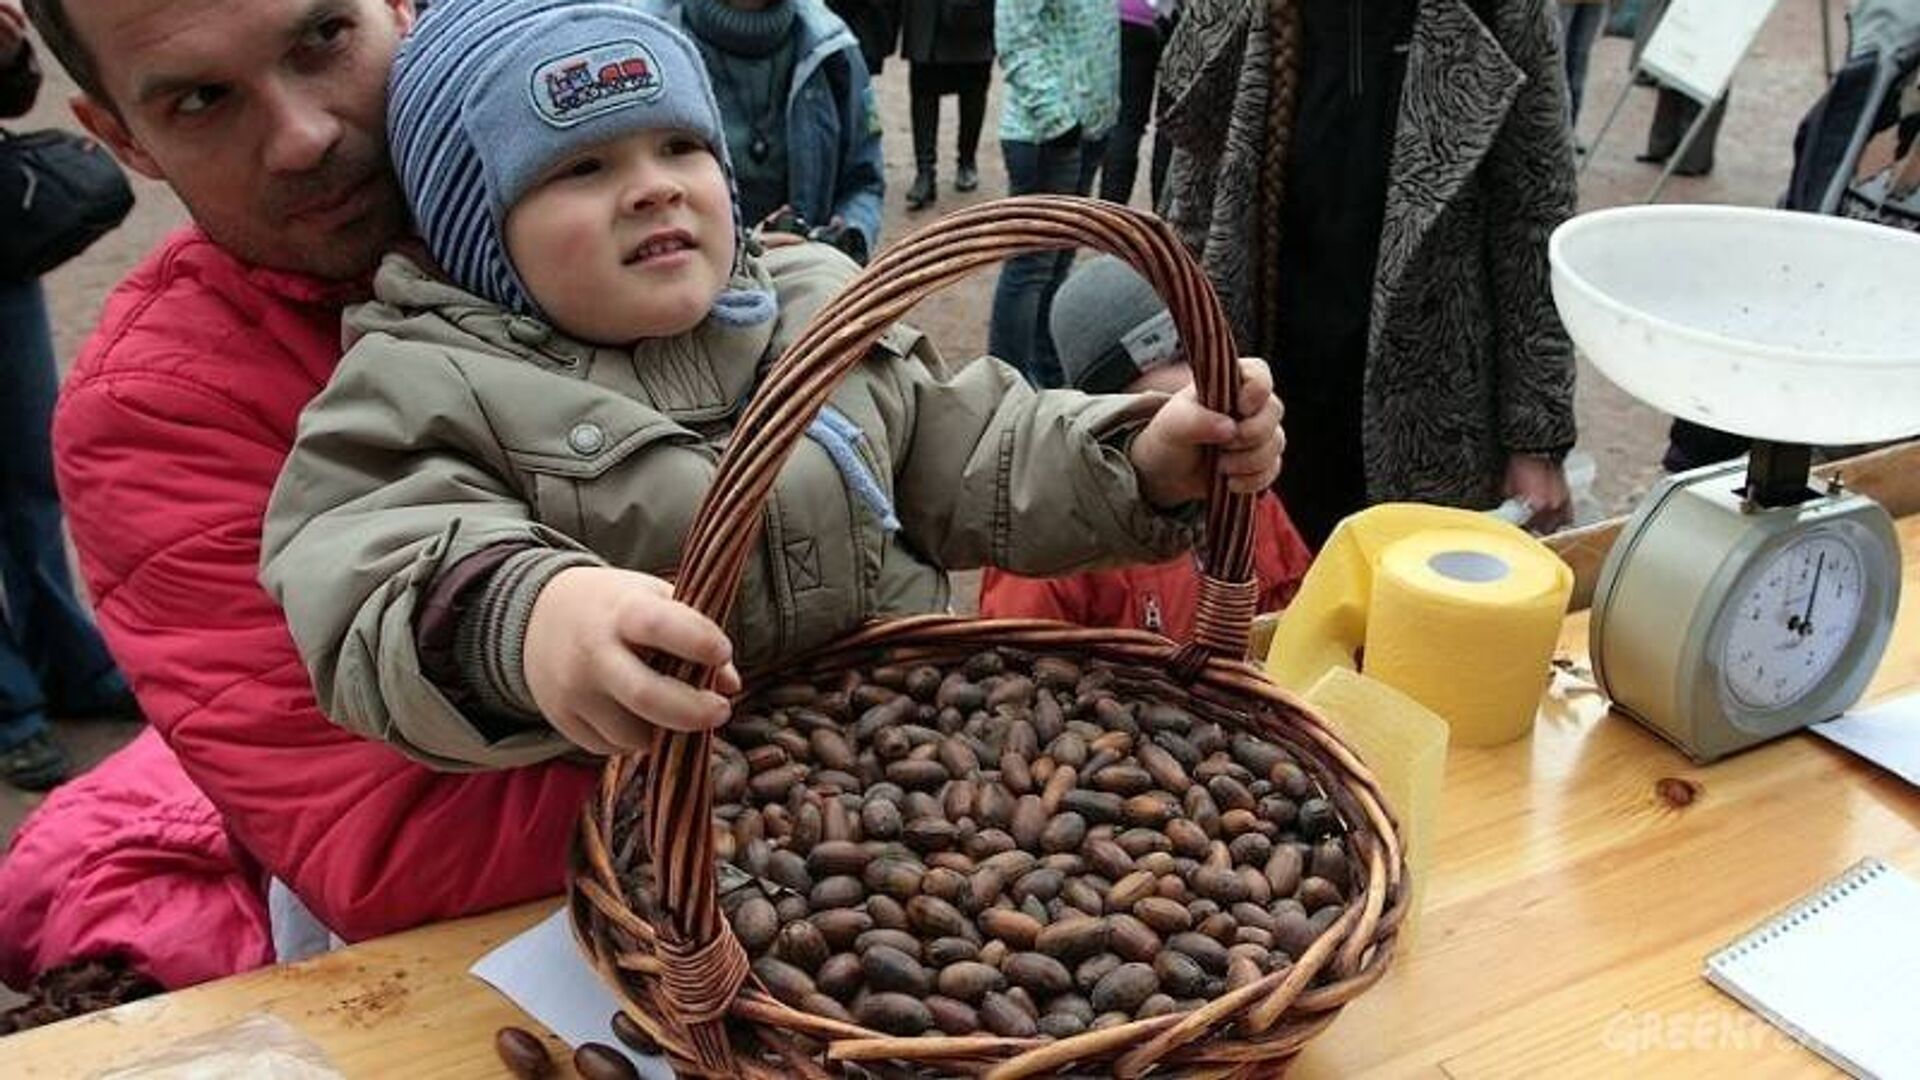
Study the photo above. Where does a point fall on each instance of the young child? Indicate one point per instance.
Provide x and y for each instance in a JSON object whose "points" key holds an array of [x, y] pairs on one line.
{"points": [[468, 533], [1114, 335]]}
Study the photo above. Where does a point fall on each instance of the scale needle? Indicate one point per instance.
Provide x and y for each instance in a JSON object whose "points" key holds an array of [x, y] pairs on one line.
{"points": [[1806, 621]]}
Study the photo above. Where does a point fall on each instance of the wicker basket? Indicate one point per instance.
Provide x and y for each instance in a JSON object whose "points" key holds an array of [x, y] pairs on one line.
{"points": [[684, 977]]}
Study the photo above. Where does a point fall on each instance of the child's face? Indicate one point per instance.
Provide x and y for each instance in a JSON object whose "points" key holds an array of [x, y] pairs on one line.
{"points": [[630, 238]]}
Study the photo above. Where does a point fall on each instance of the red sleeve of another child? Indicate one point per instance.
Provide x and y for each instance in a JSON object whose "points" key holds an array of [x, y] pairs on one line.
{"points": [[1280, 554], [1009, 596]]}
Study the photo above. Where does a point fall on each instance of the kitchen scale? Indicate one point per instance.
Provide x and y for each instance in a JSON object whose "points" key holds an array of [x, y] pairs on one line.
{"points": [[1741, 602]]}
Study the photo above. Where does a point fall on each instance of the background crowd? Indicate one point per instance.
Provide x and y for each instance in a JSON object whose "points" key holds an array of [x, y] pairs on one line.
{"points": [[1376, 233]]}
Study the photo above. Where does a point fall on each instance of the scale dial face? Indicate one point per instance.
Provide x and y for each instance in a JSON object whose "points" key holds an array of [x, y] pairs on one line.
{"points": [[1793, 616]]}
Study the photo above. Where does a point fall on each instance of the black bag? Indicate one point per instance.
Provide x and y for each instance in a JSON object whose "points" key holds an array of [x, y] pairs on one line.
{"points": [[59, 192]]}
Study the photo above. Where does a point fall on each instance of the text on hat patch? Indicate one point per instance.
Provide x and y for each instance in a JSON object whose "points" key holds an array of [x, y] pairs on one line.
{"points": [[589, 82]]}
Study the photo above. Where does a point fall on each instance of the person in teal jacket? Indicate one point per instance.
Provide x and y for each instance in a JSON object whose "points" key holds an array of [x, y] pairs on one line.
{"points": [[1061, 63]]}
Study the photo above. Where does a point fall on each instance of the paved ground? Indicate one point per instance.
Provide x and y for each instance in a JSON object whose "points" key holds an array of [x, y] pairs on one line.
{"points": [[1774, 87]]}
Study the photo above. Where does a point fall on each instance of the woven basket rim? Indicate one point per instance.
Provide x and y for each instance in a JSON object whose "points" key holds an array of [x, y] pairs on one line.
{"points": [[1366, 934]]}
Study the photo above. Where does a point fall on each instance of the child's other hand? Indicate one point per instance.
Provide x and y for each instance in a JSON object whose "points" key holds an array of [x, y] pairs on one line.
{"points": [[582, 660], [1169, 454]]}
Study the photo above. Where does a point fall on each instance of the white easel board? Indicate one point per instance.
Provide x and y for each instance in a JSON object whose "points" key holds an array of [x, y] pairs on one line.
{"points": [[1699, 42]]}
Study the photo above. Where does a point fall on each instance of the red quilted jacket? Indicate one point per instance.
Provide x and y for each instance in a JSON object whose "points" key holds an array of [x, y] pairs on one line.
{"points": [[168, 437]]}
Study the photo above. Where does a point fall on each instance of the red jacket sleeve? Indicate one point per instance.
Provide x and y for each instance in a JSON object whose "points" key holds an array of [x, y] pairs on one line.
{"points": [[1006, 595], [165, 480], [1280, 554]]}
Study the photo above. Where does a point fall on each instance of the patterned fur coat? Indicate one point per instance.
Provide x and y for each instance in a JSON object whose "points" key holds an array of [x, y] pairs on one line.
{"points": [[1467, 361]]}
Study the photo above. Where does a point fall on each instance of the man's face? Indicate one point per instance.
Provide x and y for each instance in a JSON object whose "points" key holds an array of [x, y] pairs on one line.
{"points": [[267, 118]]}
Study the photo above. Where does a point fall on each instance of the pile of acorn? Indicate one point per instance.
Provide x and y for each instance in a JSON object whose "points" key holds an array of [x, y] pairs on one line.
{"points": [[1023, 846]]}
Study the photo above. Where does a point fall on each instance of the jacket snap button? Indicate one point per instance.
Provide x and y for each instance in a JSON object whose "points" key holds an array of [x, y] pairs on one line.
{"points": [[587, 439], [527, 331]]}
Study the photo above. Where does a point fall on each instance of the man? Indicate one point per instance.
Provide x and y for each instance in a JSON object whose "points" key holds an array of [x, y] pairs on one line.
{"points": [[267, 119]]}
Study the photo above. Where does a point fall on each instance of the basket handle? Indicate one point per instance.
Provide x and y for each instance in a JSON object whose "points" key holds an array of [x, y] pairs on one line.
{"points": [[706, 965]]}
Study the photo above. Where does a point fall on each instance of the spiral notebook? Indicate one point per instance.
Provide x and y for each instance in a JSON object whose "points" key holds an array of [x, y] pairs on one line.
{"points": [[1839, 971]]}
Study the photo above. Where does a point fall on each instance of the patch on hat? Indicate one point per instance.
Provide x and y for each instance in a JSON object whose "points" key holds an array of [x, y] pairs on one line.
{"points": [[599, 79], [1153, 342]]}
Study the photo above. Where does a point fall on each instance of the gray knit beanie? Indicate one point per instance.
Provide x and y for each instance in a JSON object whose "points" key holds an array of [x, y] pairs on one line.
{"points": [[485, 95], [1109, 327]]}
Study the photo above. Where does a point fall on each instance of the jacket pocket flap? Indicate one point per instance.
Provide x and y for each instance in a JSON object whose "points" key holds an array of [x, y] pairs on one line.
{"points": [[589, 443]]}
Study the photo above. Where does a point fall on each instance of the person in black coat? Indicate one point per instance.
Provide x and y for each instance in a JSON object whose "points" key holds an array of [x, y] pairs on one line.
{"points": [[875, 24], [949, 44]]}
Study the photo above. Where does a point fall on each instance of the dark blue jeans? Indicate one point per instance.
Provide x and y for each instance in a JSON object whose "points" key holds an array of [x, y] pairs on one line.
{"points": [[50, 654], [1579, 26], [1023, 298], [1139, 62]]}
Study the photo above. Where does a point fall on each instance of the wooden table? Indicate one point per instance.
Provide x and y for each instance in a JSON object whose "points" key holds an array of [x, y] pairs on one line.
{"points": [[1569, 910]]}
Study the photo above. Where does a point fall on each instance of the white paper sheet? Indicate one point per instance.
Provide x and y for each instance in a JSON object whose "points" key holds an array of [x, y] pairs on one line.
{"points": [[1699, 42], [543, 972], [1887, 734]]}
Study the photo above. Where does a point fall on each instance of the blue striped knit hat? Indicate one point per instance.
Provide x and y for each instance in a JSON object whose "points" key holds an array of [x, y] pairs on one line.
{"points": [[485, 95]]}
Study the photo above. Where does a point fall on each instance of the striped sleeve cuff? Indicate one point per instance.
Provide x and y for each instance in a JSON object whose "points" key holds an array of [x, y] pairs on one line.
{"points": [[491, 640]]}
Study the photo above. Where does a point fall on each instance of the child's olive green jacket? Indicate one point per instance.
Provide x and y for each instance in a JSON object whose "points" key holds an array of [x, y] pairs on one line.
{"points": [[453, 428]]}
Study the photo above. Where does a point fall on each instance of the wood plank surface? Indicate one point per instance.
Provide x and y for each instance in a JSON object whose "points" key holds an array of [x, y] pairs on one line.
{"points": [[1571, 907], [400, 1005]]}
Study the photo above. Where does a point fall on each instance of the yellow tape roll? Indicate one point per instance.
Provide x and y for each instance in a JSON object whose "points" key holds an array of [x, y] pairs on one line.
{"points": [[1464, 623], [1453, 609]]}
